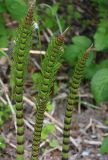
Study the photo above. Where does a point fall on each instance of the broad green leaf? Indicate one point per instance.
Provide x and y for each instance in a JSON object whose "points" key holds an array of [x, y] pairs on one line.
{"points": [[2, 29], [101, 35], [17, 8], [71, 54], [3, 41], [49, 107], [36, 77], [2, 143], [2, 53], [103, 64], [90, 71], [106, 121], [93, 68], [48, 128], [104, 147], [2, 7], [74, 51], [50, 22], [11, 33], [3, 34], [1, 122], [99, 85], [55, 8], [102, 3], [53, 142], [62, 23], [72, 12], [81, 41]]}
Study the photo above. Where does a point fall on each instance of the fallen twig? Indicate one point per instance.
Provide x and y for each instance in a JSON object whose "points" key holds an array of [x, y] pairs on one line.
{"points": [[31, 51]]}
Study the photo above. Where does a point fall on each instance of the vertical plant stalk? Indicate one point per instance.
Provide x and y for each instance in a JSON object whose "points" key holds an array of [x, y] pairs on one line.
{"points": [[20, 57], [50, 66], [75, 83]]}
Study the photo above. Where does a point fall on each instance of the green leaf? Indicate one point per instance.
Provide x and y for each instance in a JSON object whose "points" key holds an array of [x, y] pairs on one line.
{"points": [[17, 8], [3, 41], [3, 34], [103, 64], [90, 71], [2, 28], [11, 32], [2, 53], [1, 122], [2, 7], [71, 54], [36, 77], [104, 147], [53, 143], [99, 85], [74, 51], [55, 8], [101, 35], [102, 3], [93, 68], [62, 23], [106, 121], [2, 143], [81, 41], [48, 128], [50, 22], [49, 107]]}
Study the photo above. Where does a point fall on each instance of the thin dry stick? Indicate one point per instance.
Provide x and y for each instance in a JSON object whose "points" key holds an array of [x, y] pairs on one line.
{"points": [[95, 143], [59, 125], [25, 121], [46, 113], [31, 51], [9, 102], [2, 100], [11, 144]]}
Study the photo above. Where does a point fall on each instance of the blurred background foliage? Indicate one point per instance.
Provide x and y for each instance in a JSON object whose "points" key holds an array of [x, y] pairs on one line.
{"points": [[88, 21]]}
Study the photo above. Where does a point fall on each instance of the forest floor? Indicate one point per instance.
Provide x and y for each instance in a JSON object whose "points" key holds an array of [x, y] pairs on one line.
{"points": [[87, 130], [88, 127]]}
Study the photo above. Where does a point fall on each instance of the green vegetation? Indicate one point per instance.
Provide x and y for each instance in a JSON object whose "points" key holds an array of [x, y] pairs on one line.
{"points": [[75, 83], [20, 57], [94, 71], [104, 147], [99, 85], [4, 113], [2, 143], [12, 7], [50, 66]]}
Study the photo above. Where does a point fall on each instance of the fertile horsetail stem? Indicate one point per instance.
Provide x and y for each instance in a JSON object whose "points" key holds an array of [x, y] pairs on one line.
{"points": [[20, 57], [50, 66], [75, 83]]}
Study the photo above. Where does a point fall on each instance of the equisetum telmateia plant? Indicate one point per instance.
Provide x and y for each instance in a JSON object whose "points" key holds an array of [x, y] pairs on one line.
{"points": [[20, 57], [49, 68], [75, 83]]}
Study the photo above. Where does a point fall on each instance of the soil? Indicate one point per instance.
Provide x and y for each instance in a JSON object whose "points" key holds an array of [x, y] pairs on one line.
{"points": [[88, 127]]}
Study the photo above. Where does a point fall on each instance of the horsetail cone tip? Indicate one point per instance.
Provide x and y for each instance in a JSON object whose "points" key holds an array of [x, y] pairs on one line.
{"points": [[88, 50], [29, 17], [61, 36]]}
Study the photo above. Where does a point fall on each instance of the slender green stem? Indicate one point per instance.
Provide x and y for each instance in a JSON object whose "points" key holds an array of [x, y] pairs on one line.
{"points": [[19, 65], [50, 66], [75, 83], [56, 16]]}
